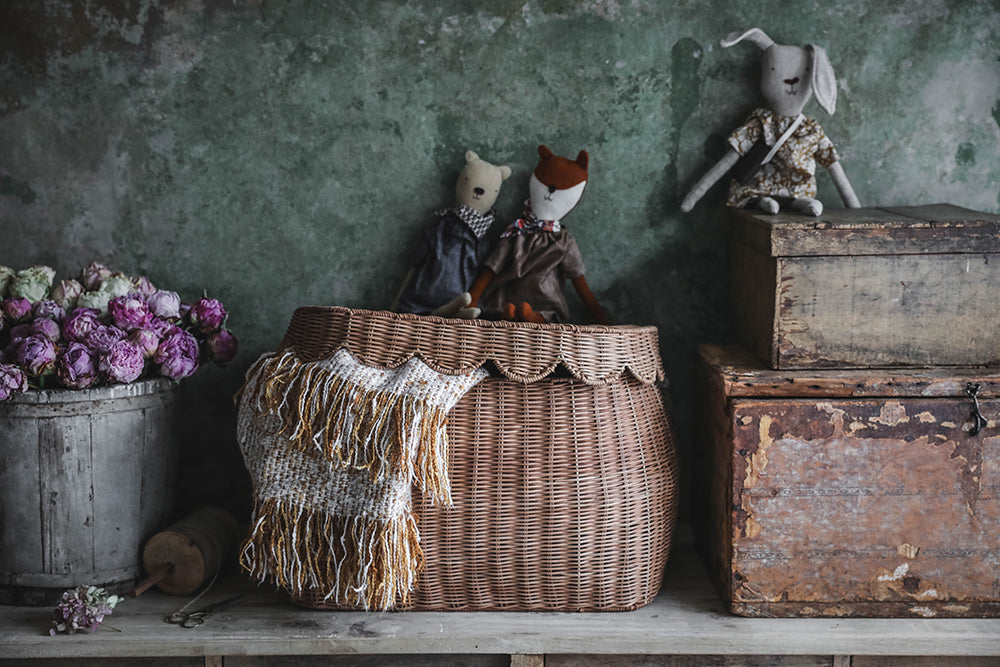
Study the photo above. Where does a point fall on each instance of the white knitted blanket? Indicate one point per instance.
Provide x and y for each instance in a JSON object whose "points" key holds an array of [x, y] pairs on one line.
{"points": [[333, 448]]}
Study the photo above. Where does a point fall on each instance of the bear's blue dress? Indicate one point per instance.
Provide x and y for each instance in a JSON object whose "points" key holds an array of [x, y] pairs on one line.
{"points": [[446, 262]]}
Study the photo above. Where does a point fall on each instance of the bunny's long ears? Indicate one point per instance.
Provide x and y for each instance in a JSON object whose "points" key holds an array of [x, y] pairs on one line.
{"points": [[824, 83], [755, 35]]}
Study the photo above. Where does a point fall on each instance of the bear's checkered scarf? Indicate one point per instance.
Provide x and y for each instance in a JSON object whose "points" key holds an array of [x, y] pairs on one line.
{"points": [[333, 448], [479, 223]]}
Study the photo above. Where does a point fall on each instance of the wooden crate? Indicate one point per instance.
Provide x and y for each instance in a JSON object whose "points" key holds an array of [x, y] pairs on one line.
{"points": [[870, 287], [848, 493]]}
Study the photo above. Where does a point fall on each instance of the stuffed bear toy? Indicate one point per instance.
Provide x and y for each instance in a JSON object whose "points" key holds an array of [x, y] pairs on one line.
{"points": [[772, 157], [453, 247], [522, 279]]}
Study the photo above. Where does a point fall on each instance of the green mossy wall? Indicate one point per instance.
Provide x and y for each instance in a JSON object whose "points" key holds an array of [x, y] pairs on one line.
{"points": [[283, 152]]}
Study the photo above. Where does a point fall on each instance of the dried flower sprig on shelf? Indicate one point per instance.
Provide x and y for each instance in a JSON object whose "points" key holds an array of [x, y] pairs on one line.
{"points": [[82, 610]]}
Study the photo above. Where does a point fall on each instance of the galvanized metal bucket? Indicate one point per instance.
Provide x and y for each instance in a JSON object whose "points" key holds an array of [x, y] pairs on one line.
{"points": [[86, 476]]}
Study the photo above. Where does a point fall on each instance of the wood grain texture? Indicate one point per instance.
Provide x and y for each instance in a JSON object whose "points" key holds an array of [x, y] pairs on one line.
{"points": [[904, 230], [77, 497], [687, 618], [740, 373], [852, 506], [863, 288]]}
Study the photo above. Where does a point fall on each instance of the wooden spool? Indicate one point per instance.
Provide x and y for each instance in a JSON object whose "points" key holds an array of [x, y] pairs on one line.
{"points": [[197, 547]]}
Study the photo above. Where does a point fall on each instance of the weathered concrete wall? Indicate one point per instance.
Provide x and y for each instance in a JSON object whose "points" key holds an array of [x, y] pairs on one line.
{"points": [[285, 152]]}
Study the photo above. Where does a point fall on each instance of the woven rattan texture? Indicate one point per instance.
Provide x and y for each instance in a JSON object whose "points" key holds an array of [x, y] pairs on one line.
{"points": [[564, 499], [521, 351]]}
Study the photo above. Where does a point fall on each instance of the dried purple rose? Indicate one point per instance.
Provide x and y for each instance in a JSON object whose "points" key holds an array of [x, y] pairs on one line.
{"points": [[93, 276], [81, 609], [17, 309], [207, 315], [49, 309], [76, 366], [142, 286], [161, 327], [13, 381], [43, 326], [177, 354], [129, 312], [221, 346], [80, 323], [65, 293], [123, 363], [165, 304], [102, 338], [35, 354], [146, 340]]}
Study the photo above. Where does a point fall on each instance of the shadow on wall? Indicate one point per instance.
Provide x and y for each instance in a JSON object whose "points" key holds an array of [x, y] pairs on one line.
{"points": [[684, 290]]}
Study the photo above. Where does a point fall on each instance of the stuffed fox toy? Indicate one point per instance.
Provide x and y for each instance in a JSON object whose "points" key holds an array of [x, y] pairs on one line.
{"points": [[522, 279]]}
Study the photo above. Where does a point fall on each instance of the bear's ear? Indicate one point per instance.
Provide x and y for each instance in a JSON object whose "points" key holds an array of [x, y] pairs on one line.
{"points": [[504, 172], [582, 159], [470, 156], [544, 152]]}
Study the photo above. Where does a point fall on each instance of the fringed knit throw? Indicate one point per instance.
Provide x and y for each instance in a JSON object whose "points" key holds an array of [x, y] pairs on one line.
{"points": [[333, 448]]}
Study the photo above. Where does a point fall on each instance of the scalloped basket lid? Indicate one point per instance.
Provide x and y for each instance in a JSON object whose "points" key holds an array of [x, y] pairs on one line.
{"points": [[521, 351]]}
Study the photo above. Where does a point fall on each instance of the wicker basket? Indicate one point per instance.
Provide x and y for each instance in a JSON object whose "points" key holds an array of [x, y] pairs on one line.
{"points": [[562, 466]]}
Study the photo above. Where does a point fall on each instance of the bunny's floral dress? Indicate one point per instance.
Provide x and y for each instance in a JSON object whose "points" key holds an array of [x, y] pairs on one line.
{"points": [[791, 172]]}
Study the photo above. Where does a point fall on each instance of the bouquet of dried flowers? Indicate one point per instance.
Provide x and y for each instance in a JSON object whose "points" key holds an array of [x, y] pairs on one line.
{"points": [[103, 328], [82, 609]]}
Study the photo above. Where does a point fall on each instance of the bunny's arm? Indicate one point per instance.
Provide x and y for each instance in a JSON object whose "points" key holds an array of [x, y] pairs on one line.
{"points": [[709, 179], [843, 185]]}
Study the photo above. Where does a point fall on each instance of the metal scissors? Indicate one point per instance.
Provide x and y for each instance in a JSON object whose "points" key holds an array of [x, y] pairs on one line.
{"points": [[192, 619]]}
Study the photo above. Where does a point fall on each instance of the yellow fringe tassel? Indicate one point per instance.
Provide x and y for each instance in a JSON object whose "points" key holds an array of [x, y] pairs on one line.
{"points": [[353, 561], [356, 428]]}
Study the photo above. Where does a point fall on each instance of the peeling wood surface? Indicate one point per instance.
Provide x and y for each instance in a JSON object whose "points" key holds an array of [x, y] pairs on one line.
{"points": [[850, 506], [868, 287], [742, 374]]}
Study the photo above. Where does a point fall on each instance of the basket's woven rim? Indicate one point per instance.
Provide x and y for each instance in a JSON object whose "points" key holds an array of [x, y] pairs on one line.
{"points": [[521, 351]]}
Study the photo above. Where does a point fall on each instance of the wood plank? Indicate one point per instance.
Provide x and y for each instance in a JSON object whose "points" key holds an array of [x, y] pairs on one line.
{"points": [[20, 494], [117, 453], [160, 456], [864, 507], [66, 473], [743, 375], [933, 229], [527, 661], [877, 311], [917, 661], [405, 660], [688, 618], [689, 661]]}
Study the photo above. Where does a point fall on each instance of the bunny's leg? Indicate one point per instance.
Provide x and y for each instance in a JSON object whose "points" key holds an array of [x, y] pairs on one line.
{"points": [[808, 205], [768, 205]]}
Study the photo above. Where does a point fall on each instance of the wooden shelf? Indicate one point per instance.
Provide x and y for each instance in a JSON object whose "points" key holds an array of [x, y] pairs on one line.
{"points": [[687, 618]]}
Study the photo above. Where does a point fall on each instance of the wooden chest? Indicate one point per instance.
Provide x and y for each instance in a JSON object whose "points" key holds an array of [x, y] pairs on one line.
{"points": [[848, 493], [870, 287]]}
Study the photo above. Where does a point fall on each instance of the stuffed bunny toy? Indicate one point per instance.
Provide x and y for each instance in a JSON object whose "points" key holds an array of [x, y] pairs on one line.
{"points": [[778, 146], [448, 256]]}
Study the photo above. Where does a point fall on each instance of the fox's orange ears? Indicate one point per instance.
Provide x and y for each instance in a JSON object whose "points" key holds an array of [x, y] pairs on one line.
{"points": [[582, 159], [559, 171]]}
